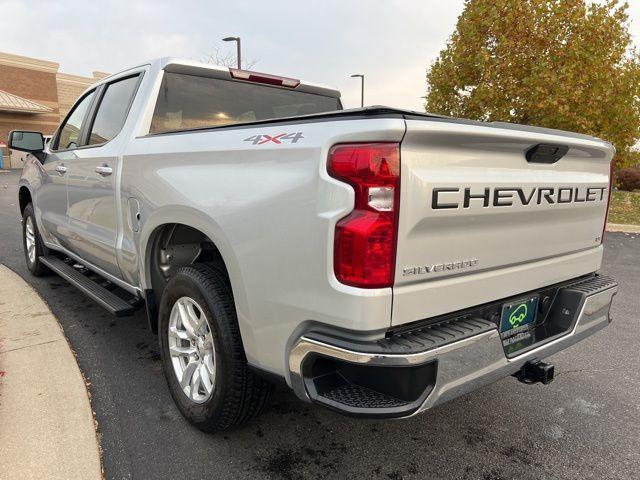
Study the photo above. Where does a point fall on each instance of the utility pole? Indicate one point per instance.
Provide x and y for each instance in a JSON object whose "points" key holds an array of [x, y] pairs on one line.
{"points": [[361, 87], [239, 48]]}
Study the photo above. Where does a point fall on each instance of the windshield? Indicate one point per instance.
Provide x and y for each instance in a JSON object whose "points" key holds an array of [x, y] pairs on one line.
{"points": [[189, 101]]}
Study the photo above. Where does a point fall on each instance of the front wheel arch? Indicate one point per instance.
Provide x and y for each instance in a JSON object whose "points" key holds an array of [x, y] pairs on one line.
{"points": [[32, 243], [24, 198]]}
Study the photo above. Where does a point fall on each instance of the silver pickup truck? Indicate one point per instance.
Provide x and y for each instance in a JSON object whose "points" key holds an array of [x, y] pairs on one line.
{"points": [[377, 261]]}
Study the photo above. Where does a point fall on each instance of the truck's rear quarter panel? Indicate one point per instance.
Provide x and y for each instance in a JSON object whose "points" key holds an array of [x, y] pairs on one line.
{"points": [[271, 209], [458, 256]]}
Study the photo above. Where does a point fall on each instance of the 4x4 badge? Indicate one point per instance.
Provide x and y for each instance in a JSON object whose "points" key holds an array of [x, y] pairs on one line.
{"points": [[277, 139]]}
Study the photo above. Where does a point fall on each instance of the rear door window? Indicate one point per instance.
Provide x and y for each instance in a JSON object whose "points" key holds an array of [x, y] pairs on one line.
{"points": [[113, 110]]}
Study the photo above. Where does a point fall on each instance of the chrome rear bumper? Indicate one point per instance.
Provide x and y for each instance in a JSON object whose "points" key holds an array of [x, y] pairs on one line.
{"points": [[463, 365]]}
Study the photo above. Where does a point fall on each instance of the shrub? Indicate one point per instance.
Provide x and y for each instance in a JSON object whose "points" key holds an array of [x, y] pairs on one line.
{"points": [[628, 179]]}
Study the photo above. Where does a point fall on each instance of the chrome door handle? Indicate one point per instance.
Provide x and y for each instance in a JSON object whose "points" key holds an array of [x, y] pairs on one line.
{"points": [[61, 169], [104, 170]]}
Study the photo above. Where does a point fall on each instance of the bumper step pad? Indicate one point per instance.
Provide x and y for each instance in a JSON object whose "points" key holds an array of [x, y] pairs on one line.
{"points": [[423, 338], [592, 285], [361, 397]]}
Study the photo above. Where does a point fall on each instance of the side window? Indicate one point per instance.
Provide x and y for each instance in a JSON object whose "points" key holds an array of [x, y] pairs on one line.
{"points": [[112, 110], [70, 132]]}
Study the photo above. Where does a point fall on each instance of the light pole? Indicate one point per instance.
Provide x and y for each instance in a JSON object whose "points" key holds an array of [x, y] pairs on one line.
{"points": [[361, 87], [239, 54]]}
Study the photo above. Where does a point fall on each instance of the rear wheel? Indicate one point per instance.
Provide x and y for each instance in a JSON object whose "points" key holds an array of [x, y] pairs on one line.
{"points": [[202, 354], [32, 243], [191, 349]]}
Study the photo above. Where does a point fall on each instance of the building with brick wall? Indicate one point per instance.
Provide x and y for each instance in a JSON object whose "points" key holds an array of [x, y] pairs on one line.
{"points": [[34, 95]]}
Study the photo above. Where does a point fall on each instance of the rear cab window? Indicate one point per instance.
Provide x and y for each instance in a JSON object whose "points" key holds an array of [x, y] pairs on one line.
{"points": [[189, 102]]}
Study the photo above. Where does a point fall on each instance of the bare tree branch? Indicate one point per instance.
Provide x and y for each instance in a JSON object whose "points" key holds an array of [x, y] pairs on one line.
{"points": [[226, 59]]}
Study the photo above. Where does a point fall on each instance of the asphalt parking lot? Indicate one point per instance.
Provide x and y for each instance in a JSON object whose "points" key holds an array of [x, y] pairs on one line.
{"points": [[584, 425]]}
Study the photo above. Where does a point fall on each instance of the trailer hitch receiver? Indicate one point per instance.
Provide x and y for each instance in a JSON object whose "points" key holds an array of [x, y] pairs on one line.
{"points": [[536, 372]]}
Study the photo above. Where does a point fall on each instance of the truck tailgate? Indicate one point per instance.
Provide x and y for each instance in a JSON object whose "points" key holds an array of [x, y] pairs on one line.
{"points": [[479, 222]]}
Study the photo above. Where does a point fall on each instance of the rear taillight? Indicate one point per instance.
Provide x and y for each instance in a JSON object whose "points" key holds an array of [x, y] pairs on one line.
{"points": [[606, 215], [365, 240]]}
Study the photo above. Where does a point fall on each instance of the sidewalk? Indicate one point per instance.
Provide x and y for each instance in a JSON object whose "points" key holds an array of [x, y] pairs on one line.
{"points": [[46, 424]]}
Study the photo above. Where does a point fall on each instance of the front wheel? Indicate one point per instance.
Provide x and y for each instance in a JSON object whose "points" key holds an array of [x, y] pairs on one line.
{"points": [[202, 354], [32, 243]]}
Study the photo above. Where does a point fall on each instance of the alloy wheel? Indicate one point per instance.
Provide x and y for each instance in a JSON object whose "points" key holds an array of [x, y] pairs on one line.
{"points": [[192, 350], [30, 239]]}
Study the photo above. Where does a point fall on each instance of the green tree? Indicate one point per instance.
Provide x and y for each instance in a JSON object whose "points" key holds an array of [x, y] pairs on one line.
{"points": [[567, 64]]}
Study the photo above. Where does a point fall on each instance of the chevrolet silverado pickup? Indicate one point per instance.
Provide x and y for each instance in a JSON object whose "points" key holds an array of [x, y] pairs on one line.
{"points": [[378, 261]]}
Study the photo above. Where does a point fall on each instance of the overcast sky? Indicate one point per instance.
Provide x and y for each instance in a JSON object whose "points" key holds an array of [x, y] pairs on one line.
{"points": [[391, 41]]}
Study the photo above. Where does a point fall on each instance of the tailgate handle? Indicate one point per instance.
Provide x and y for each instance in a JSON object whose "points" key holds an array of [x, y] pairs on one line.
{"points": [[546, 153]]}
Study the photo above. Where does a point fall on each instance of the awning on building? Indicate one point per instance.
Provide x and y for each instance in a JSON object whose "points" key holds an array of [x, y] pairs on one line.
{"points": [[13, 103]]}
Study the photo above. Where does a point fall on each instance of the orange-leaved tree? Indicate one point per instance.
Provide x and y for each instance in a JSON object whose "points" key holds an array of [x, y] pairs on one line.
{"points": [[567, 64]]}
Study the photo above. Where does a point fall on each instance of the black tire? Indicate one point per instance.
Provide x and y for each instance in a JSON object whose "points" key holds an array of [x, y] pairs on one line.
{"points": [[239, 394], [36, 268]]}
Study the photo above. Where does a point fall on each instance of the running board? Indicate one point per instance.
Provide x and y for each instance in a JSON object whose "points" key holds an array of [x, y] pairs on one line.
{"points": [[103, 297]]}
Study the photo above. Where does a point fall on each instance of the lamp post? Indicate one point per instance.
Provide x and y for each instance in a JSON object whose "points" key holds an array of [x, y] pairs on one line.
{"points": [[361, 87], [239, 49]]}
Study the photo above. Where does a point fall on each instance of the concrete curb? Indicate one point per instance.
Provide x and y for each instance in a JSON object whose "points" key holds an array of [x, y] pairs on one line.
{"points": [[619, 227], [47, 428]]}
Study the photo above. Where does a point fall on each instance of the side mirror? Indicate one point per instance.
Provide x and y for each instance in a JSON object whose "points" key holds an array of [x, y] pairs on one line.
{"points": [[31, 142]]}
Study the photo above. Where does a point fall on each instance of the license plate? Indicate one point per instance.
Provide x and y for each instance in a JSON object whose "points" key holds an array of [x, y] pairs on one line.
{"points": [[516, 322]]}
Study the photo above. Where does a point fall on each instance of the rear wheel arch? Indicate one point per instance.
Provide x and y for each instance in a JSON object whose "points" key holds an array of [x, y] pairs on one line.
{"points": [[173, 245]]}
